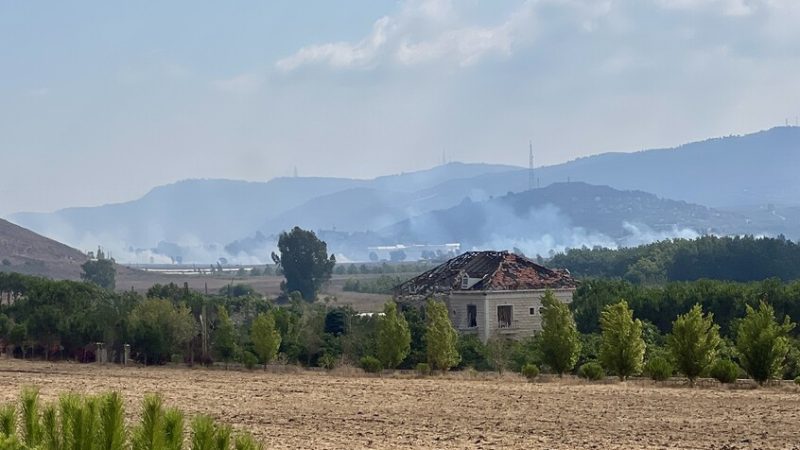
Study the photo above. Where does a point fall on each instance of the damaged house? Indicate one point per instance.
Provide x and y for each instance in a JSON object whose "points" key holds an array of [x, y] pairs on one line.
{"points": [[490, 293]]}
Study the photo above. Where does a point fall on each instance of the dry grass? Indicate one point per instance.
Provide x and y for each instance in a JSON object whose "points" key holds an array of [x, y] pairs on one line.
{"points": [[342, 409]]}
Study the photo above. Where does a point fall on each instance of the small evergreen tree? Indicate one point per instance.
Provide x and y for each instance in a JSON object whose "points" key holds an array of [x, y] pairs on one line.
{"points": [[622, 350], [440, 337], [266, 337], [394, 337], [762, 342], [559, 340], [694, 342], [224, 336]]}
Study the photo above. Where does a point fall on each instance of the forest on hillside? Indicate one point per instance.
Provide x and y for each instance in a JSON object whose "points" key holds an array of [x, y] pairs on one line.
{"points": [[739, 258]]}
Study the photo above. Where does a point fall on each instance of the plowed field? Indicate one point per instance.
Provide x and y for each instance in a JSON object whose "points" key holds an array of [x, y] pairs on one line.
{"points": [[313, 410]]}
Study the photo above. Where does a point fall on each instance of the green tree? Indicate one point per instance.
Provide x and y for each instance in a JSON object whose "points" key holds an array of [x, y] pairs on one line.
{"points": [[224, 340], [394, 337], [622, 350], [5, 325], [762, 342], [305, 262], [102, 272], [559, 340], [266, 337], [694, 342], [18, 336], [440, 336], [159, 329]]}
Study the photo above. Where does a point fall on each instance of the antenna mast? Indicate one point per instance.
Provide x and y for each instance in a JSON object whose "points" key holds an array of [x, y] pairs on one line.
{"points": [[530, 165]]}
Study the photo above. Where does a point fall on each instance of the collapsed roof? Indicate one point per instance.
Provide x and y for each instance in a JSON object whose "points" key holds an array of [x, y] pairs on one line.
{"points": [[486, 271]]}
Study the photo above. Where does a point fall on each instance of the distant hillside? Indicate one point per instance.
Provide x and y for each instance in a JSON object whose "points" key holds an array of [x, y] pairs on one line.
{"points": [[26, 252], [200, 212], [755, 169], [749, 180], [565, 215]]}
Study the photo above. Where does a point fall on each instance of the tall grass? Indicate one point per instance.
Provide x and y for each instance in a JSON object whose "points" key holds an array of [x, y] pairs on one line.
{"points": [[78, 422]]}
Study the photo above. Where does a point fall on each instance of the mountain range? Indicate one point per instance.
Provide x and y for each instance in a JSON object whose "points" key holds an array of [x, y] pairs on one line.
{"points": [[731, 185]]}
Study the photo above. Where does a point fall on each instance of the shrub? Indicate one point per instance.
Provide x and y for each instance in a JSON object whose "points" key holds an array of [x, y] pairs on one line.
{"points": [[93, 422], [725, 371], [327, 361], [249, 360], [591, 371], [530, 371], [423, 369], [371, 364], [797, 380], [659, 368]]}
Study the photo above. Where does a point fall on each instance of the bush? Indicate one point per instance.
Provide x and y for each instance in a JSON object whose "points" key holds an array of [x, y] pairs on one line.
{"points": [[530, 371], [797, 380], [371, 364], [249, 360], [725, 371], [659, 368], [592, 371], [423, 369], [84, 422], [328, 361]]}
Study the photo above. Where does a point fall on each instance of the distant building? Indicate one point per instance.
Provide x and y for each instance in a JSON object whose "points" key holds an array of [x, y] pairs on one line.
{"points": [[490, 293]]}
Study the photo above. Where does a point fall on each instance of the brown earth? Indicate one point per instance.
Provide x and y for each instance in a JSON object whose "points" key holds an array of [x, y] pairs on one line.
{"points": [[327, 411]]}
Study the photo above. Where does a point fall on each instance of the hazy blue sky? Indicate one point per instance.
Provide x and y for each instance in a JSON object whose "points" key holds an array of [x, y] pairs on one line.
{"points": [[101, 101]]}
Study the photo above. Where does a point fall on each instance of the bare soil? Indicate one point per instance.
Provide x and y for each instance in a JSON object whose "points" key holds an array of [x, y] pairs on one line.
{"points": [[315, 410]]}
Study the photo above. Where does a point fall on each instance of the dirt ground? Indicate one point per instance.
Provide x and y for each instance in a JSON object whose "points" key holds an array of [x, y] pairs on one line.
{"points": [[314, 410]]}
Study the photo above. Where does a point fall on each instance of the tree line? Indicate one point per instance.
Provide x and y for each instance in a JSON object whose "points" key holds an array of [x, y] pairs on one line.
{"points": [[658, 305], [740, 258]]}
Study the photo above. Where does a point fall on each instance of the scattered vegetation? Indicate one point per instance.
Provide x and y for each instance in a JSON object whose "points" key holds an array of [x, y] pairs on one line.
{"points": [[716, 325]]}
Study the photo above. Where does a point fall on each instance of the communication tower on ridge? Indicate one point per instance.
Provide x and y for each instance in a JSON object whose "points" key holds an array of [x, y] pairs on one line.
{"points": [[530, 166]]}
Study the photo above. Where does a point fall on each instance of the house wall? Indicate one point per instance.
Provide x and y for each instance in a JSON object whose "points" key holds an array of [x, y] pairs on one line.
{"points": [[523, 323]]}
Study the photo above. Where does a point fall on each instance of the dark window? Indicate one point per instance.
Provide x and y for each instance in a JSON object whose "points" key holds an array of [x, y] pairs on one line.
{"points": [[472, 316], [533, 311], [504, 316]]}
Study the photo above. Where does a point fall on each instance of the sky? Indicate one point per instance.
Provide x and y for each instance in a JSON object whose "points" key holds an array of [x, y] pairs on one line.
{"points": [[102, 101]]}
